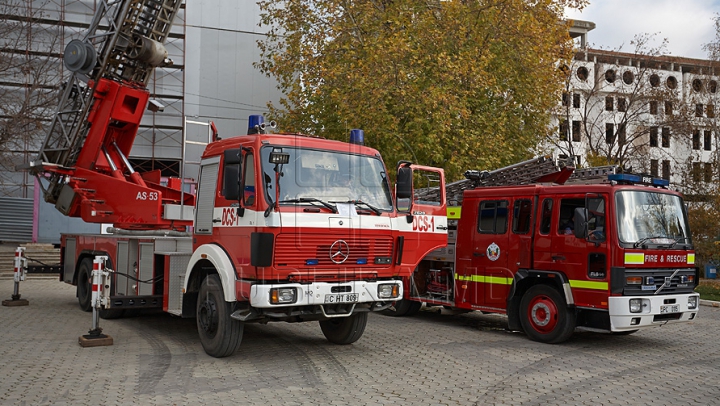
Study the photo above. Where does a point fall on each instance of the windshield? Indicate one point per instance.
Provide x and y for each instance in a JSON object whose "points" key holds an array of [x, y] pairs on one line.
{"points": [[328, 176], [659, 217]]}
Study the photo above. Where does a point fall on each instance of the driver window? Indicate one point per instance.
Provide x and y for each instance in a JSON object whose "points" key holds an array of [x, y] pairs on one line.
{"points": [[249, 177]]}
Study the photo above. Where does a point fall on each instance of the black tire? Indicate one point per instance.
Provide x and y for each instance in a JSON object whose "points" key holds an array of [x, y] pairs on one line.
{"points": [[84, 284], [403, 308], [109, 314], [544, 316], [344, 330], [219, 334], [414, 308]]}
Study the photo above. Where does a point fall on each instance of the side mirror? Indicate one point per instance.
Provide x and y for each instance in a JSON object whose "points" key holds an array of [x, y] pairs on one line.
{"points": [[404, 183], [580, 221]]}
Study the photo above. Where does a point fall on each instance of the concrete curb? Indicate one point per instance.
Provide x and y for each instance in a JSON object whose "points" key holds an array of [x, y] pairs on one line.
{"points": [[711, 303]]}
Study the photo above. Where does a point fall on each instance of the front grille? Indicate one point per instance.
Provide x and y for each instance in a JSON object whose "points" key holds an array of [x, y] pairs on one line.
{"points": [[659, 275], [295, 250]]}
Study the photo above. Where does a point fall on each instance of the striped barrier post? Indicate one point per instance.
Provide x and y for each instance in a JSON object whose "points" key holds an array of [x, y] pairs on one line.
{"points": [[98, 300], [19, 273]]}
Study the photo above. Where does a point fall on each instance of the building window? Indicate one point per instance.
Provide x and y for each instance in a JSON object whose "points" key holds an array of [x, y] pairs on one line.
{"points": [[699, 110], [707, 173], [628, 77], [621, 134], [710, 110], [566, 99], [654, 167], [609, 133], [707, 140], [666, 170], [654, 80], [696, 139], [666, 137], [712, 86], [696, 171], [576, 100], [609, 103], [653, 107], [671, 82], [622, 104], [576, 131], [653, 136], [563, 130], [610, 76], [668, 108], [697, 85], [582, 73]]}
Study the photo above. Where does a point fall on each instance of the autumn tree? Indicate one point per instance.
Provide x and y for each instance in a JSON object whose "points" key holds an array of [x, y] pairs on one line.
{"points": [[29, 74], [455, 84]]}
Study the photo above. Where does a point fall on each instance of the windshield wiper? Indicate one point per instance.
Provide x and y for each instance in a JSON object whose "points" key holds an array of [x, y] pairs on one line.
{"points": [[643, 241], [311, 200], [368, 205]]}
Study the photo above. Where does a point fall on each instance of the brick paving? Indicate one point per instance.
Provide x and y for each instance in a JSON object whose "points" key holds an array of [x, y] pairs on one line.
{"points": [[429, 359]]}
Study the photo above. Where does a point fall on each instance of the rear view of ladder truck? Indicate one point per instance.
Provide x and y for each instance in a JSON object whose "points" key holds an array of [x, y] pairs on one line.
{"points": [[557, 250]]}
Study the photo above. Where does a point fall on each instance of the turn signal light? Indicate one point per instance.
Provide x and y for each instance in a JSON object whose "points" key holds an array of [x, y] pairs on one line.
{"points": [[634, 280]]}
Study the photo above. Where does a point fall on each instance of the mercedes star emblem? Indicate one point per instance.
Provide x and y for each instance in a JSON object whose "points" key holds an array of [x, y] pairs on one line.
{"points": [[339, 251]]}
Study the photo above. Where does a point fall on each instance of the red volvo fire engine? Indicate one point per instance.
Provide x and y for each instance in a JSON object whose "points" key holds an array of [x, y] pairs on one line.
{"points": [[556, 251], [285, 227]]}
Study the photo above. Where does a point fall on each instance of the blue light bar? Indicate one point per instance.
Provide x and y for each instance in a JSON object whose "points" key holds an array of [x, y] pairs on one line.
{"points": [[638, 179], [313, 261], [357, 137], [362, 261]]}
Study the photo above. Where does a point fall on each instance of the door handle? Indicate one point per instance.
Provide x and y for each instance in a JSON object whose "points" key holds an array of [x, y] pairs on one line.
{"points": [[478, 254], [558, 257]]}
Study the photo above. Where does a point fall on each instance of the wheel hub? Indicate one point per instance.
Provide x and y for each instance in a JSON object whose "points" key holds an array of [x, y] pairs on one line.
{"points": [[207, 316], [540, 314]]}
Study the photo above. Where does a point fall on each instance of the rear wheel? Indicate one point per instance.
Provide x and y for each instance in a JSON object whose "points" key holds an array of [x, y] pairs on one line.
{"points": [[84, 287], [219, 334], [344, 330], [544, 315], [402, 308]]}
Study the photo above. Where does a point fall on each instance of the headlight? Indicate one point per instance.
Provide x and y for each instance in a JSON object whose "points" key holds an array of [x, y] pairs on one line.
{"points": [[283, 295], [635, 305], [634, 280], [692, 302], [388, 291]]}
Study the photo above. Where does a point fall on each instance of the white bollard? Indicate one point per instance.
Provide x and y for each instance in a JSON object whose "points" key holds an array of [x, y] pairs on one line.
{"points": [[18, 276]]}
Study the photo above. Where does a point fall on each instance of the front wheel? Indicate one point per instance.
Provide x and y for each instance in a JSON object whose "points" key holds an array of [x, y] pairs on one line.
{"points": [[544, 315], [219, 334], [344, 330]]}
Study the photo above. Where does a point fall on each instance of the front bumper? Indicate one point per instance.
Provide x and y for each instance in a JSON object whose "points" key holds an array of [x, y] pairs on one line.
{"points": [[317, 293], [651, 314]]}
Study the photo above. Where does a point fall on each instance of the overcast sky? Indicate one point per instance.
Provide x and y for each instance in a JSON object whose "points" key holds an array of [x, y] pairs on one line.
{"points": [[687, 24]]}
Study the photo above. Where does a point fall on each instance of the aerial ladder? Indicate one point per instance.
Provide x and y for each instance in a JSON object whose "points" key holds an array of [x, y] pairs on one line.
{"points": [[83, 164]]}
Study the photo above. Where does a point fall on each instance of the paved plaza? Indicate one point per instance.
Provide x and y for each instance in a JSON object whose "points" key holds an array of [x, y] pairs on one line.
{"points": [[429, 359]]}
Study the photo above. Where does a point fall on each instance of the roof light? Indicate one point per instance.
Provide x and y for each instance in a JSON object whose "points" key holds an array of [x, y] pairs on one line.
{"points": [[357, 137], [255, 123], [638, 179]]}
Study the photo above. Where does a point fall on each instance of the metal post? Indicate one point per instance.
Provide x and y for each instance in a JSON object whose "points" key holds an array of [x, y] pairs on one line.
{"points": [[98, 300], [18, 276]]}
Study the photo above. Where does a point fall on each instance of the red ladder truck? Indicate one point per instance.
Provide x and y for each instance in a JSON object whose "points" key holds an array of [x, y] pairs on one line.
{"points": [[285, 227], [558, 250]]}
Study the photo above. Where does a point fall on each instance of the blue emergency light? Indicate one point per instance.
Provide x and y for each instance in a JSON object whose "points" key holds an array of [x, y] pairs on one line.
{"points": [[255, 122], [357, 137], [629, 178]]}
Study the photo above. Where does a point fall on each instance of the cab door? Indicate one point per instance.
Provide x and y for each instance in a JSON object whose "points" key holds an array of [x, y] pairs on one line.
{"points": [[491, 253]]}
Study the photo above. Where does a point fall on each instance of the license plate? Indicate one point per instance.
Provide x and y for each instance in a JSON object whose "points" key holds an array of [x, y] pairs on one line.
{"points": [[342, 298], [669, 309]]}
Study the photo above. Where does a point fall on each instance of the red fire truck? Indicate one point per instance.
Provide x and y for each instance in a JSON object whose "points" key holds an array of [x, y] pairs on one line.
{"points": [[285, 227], [557, 251]]}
